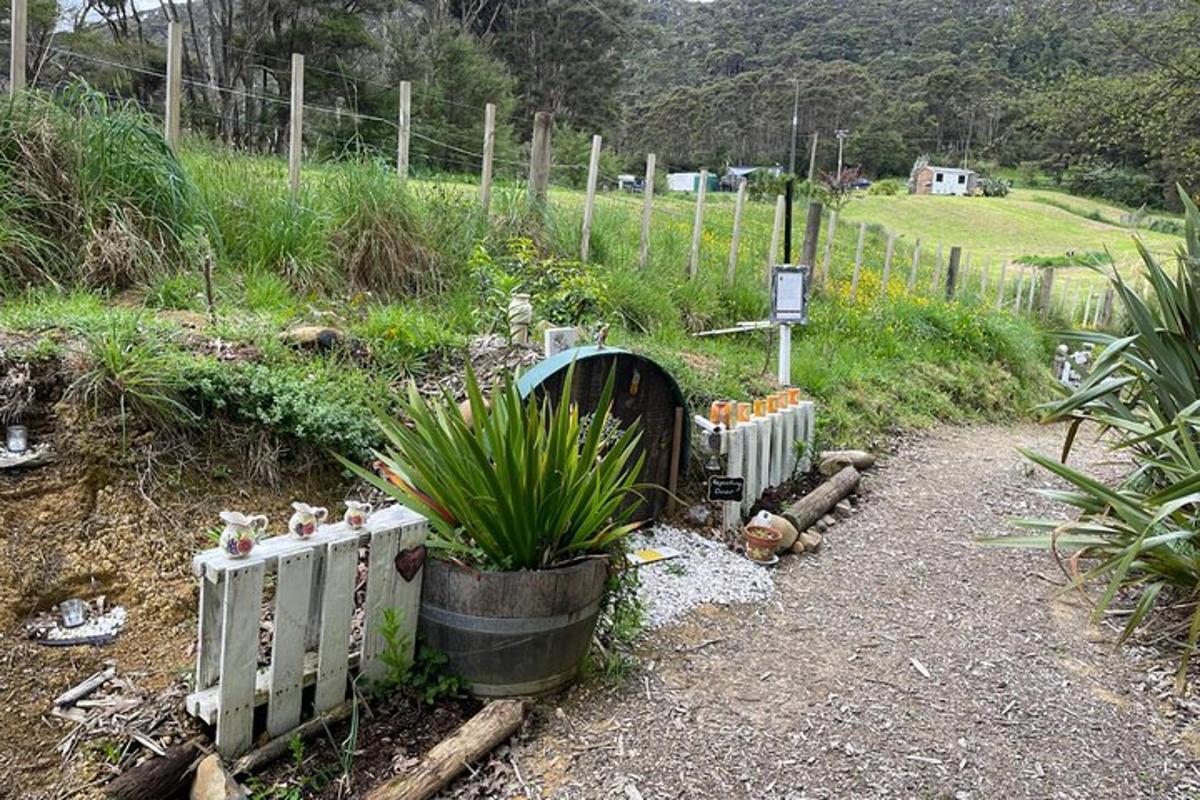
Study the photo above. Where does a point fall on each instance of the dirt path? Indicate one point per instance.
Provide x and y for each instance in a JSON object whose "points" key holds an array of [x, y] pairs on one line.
{"points": [[901, 661]]}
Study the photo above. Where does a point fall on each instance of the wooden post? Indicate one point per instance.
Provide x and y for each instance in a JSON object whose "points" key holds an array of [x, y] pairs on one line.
{"points": [[1020, 289], [887, 265], [964, 274], [489, 149], [539, 157], [983, 279], [937, 269], [676, 450], [735, 239], [1087, 309], [589, 200], [952, 271], [647, 206], [916, 262], [1003, 286], [698, 225], [812, 158], [174, 82], [1106, 307], [858, 257], [19, 33], [829, 234], [812, 232], [1046, 293], [734, 437], [776, 234], [1033, 281], [405, 130], [296, 132]]}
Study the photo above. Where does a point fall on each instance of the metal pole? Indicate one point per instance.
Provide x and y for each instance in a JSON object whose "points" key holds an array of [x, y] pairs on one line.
{"points": [[790, 192]]}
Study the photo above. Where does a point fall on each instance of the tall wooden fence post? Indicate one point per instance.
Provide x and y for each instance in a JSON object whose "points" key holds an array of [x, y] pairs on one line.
{"points": [[776, 235], [916, 262], [983, 279], [887, 266], [1003, 287], [539, 157], [735, 239], [1046, 292], [938, 263], [952, 271], [858, 258], [404, 132], [647, 207], [489, 150], [698, 225], [1020, 289], [1033, 282], [174, 82], [589, 200], [296, 132], [964, 273], [812, 233], [18, 30], [826, 262]]}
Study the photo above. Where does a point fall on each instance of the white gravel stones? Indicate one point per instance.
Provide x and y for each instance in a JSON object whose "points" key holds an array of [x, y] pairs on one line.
{"points": [[707, 572]]}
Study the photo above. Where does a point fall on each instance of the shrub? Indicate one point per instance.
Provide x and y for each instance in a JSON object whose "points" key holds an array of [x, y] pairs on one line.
{"points": [[1117, 184], [515, 484], [888, 187], [994, 187], [1144, 391]]}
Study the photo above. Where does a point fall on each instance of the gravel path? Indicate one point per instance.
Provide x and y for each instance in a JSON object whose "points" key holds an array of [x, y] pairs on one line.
{"points": [[901, 661]]}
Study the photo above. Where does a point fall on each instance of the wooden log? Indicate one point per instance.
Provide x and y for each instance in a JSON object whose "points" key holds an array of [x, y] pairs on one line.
{"points": [[817, 503], [161, 777], [859, 459], [474, 739], [86, 687], [259, 757]]}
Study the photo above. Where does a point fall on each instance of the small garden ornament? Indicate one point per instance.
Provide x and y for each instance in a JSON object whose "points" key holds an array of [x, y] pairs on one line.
{"points": [[241, 532], [304, 522], [356, 514]]}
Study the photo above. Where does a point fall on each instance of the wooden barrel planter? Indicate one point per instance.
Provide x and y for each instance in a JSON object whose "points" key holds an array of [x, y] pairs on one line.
{"points": [[512, 633], [643, 391]]}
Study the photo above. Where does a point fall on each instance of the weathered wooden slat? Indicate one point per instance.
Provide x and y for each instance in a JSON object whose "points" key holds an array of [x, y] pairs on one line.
{"points": [[381, 577], [731, 517], [790, 415], [765, 434], [778, 423], [810, 430], [208, 650], [752, 462], [241, 611], [337, 605], [287, 643], [406, 595]]}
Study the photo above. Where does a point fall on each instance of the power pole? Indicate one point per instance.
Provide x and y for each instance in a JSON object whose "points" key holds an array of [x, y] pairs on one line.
{"points": [[791, 183], [841, 137]]}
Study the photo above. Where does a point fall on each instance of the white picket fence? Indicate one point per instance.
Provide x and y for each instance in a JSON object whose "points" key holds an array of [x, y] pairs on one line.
{"points": [[766, 451], [314, 605]]}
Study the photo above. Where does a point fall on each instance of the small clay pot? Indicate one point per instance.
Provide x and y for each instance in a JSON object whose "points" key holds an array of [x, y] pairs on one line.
{"points": [[761, 542]]}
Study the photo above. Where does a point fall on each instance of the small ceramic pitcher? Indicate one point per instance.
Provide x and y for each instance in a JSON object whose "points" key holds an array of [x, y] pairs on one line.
{"points": [[241, 532], [356, 514], [304, 522]]}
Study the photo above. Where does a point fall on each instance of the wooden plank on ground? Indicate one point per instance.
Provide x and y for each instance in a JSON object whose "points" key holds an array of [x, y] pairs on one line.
{"points": [[287, 642], [241, 612]]}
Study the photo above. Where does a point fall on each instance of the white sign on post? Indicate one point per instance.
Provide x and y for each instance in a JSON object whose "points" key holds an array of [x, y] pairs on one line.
{"points": [[789, 306]]}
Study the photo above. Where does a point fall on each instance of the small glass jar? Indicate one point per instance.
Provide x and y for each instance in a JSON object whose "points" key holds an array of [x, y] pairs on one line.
{"points": [[17, 440]]}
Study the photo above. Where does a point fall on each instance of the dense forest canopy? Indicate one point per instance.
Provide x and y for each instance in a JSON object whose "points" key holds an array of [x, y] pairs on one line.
{"points": [[1102, 94]]}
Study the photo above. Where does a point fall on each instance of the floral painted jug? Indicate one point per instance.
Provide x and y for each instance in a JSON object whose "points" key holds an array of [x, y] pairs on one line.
{"points": [[356, 514], [241, 532], [304, 522]]}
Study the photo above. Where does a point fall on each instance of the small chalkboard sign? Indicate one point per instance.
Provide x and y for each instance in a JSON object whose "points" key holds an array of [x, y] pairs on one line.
{"points": [[722, 489]]}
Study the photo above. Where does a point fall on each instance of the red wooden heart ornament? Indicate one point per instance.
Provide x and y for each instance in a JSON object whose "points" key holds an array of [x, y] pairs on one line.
{"points": [[408, 562]]}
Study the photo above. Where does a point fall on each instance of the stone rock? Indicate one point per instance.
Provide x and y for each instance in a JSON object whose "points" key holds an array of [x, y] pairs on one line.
{"points": [[312, 337], [797, 546], [213, 782], [811, 540], [843, 509], [830, 520], [698, 515], [787, 532]]}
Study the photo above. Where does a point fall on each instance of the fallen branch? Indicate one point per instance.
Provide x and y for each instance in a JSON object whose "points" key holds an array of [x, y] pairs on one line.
{"points": [[817, 503], [474, 739], [73, 695], [273, 749]]}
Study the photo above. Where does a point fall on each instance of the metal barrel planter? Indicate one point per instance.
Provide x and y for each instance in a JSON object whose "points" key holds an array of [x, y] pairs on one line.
{"points": [[512, 633]]}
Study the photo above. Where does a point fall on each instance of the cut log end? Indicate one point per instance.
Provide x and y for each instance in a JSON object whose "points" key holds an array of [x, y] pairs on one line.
{"points": [[817, 503]]}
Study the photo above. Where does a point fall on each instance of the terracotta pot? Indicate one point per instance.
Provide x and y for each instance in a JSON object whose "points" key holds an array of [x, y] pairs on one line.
{"points": [[761, 542]]}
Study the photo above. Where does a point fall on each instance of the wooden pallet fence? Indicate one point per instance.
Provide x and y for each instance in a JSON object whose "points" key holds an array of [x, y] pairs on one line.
{"points": [[766, 443], [314, 605]]}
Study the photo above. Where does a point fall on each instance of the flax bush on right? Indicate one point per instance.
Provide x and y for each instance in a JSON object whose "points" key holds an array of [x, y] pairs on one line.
{"points": [[1139, 537]]}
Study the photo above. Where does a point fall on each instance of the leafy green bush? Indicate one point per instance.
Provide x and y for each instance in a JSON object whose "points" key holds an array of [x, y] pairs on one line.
{"points": [[1144, 391], [564, 291], [1114, 183], [521, 484], [888, 187], [994, 187]]}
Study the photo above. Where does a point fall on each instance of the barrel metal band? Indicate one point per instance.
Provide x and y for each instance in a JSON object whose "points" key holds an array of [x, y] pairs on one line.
{"points": [[507, 625]]}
